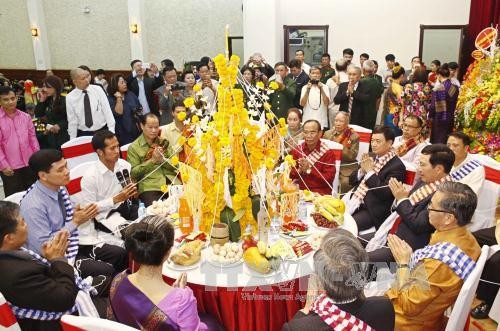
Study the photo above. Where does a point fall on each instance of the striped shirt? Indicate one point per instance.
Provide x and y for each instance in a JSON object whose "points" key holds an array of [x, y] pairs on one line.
{"points": [[42, 213]]}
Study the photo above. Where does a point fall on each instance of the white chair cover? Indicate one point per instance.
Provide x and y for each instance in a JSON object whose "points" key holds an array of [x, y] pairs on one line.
{"points": [[92, 324], [8, 321], [364, 139], [78, 150], [124, 150], [16, 197]]}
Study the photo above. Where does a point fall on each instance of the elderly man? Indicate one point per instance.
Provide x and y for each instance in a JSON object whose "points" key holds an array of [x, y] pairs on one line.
{"points": [[40, 285], [371, 199], [410, 220], [466, 169], [257, 61], [143, 86], [409, 146], [335, 295], [283, 97], [374, 89], [87, 107], [444, 264], [314, 98], [352, 97], [315, 167], [346, 136]]}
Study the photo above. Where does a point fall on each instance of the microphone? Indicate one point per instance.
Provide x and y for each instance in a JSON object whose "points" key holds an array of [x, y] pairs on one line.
{"points": [[127, 176], [121, 179]]}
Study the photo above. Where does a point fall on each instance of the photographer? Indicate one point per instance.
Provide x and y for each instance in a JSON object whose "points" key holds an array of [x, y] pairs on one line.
{"points": [[314, 98], [126, 110], [168, 93]]}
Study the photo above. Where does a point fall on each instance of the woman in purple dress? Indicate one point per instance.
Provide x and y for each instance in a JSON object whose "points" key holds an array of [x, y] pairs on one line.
{"points": [[142, 299], [443, 105]]}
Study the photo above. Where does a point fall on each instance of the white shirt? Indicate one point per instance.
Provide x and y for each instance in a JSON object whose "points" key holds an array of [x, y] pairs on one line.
{"points": [[413, 155], [455, 81], [306, 67], [209, 95], [142, 96], [101, 111], [475, 179], [315, 108]]}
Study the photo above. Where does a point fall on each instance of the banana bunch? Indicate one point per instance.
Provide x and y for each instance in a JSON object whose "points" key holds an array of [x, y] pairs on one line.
{"points": [[330, 208]]}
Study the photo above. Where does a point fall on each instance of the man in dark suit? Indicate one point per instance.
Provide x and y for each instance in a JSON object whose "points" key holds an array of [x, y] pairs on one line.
{"points": [[413, 224], [374, 202], [300, 77], [28, 283], [339, 279], [143, 86], [375, 89], [352, 97]]}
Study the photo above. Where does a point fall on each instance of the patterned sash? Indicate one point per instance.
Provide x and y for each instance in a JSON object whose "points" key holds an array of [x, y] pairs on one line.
{"points": [[346, 135], [72, 249], [316, 154], [449, 254], [360, 192], [408, 146], [465, 170], [43, 315], [336, 318]]}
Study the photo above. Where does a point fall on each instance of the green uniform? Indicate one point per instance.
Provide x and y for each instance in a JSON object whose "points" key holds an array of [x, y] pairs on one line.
{"points": [[375, 89], [326, 73], [282, 100]]}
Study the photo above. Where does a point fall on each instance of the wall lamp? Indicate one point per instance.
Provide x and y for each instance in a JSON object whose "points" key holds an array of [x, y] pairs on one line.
{"points": [[34, 32], [134, 28]]}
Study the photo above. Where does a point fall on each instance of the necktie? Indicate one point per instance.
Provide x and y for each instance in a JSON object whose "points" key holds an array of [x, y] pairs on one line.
{"points": [[349, 107], [87, 109]]}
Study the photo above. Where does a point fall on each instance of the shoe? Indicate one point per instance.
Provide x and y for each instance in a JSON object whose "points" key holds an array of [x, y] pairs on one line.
{"points": [[481, 311]]}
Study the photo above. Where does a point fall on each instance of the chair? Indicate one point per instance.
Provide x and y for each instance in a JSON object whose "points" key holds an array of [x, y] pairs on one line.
{"points": [[7, 319], [337, 150], [124, 150], [78, 150], [365, 136], [484, 217], [82, 323], [411, 173], [461, 309], [16, 197]]}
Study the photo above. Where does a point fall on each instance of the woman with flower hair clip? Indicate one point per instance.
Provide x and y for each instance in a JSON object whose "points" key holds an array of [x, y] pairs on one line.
{"points": [[393, 103]]}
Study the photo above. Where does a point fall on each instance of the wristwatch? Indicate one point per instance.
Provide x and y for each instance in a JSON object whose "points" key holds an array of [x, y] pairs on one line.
{"points": [[308, 171]]}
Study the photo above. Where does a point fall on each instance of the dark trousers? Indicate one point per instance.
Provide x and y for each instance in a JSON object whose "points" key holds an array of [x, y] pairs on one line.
{"points": [[22, 179], [381, 257], [149, 196], [485, 291], [102, 263], [364, 220], [81, 133]]}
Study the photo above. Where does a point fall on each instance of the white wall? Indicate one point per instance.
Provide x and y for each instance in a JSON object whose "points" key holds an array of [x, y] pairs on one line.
{"points": [[16, 46], [376, 27]]}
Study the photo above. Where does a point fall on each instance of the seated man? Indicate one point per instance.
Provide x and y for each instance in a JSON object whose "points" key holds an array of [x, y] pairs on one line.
{"points": [[409, 146], [47, 209], [444, 264], [410, 220], [336, 289], [346, 136], [466, 169], [370, 201], [148, 157], [315, 168], [34, 286], [107, 184]]}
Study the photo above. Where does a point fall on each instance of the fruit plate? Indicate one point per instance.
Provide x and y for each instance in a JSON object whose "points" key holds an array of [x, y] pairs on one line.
{"points": [[178, 267], [253, 273], [210, 259], [299, 258], [295, 234]]}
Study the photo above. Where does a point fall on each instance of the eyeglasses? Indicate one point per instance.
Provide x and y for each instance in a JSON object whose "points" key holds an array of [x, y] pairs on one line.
{"points": [[440, 210]]}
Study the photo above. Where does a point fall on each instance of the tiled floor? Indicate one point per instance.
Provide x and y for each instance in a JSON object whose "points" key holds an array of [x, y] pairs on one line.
{"points": [[484, 325]]}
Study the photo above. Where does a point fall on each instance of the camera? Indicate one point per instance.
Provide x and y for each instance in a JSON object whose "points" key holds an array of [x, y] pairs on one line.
{"points": [[177, 87], [314, 81]]}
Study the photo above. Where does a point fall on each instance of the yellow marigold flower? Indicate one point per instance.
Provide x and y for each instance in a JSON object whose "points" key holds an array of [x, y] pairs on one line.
{"points": [[189, 102], [181, 141], [185, 177], [174, 216], [197, 88], [267, 106], [282, 121], [195, 119], [269, 116], [260, 85], [269, 163], [290, 160], [164, 188], [174, 160], [273, 85], [181, 116], [283, 131], [192, 141]]}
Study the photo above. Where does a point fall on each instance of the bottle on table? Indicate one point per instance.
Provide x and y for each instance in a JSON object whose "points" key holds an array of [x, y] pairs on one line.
{"points": [[186, 223], [141, 212], [263, 221]]}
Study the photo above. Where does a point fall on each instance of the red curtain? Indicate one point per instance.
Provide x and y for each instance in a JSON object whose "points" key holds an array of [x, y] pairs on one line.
{"points": [[483, 13]]}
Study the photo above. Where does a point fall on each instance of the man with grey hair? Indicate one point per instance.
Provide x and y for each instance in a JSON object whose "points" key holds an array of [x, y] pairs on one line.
{"points": [[87, 107], [352, 97], [335, 294], [375, 89], [257, 61], [447, 261]]}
